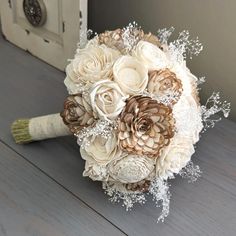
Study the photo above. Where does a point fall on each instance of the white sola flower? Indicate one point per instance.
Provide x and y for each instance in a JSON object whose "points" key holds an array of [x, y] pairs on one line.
{"points": [[131, 168], [130, 74], [150, 55], [174, 157], [98, 154], [91, 64], [107, 99]]}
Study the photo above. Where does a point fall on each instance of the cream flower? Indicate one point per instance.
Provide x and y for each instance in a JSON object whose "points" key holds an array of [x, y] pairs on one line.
{"points": [[150, 55], [131, 168], [130, 74], [90, 65], [98, 154], [188, 118], [94, 171], [101, 150], [107, 99], [174, 157]]}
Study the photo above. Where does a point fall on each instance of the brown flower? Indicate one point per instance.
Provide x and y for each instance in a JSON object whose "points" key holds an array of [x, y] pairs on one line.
{"points": [[141, 186], [114, 39], [165, 83], [145, 126], [77, 113], [151, 38]]}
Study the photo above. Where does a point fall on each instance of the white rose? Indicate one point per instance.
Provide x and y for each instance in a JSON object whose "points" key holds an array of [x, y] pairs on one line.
{"points": [[98, 154], [131, 168], [130, 75], [102, 150], [90, 65], [174, 157], [95, 172], [150, 55], [107, 99]]}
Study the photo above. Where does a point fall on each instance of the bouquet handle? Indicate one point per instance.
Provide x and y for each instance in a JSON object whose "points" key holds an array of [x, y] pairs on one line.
{"points": [[39, 128]]}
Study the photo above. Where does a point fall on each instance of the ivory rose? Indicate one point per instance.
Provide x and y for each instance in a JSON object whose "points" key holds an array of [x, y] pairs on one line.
{"points": [[90, 65], [98, 154], [150, 55], [174, 157], [130, 74], [107, 99]]}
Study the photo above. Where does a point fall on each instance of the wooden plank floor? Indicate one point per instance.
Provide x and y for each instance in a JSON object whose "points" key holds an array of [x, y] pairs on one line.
{"points": [[42, 191]]}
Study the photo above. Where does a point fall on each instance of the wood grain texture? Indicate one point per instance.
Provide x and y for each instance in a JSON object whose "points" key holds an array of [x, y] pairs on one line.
{"points": [[33, 204], [207, 207]]}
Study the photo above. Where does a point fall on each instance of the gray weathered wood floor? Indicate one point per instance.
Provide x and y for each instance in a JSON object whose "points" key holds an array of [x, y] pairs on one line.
{"points": [[43, 193]]}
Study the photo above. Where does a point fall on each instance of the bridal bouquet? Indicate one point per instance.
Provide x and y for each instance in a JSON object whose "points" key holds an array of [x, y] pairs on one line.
{"points": [[134, 107]]}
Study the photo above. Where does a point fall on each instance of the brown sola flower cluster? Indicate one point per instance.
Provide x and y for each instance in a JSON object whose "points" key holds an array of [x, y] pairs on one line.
{"points": [[141, 186], [163, 83], [145, 126], [77, 113], [115, 39]]}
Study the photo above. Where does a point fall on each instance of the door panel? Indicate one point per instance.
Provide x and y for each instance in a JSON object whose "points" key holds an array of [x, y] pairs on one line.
{"points": [[56, 40]]}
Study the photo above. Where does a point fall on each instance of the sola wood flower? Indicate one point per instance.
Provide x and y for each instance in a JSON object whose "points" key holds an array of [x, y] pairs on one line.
{"points": [[112, 39], [107, 99], [165, 83], [150, 55], [175, 156], [98, 154], [77, 113], [116, 39], [130, 75], [92, 64], [131, 168], [145, 126], [141, 186]]}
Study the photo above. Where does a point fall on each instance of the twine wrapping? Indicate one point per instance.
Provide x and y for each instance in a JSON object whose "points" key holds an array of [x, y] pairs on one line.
{"points": [[39, 128]]}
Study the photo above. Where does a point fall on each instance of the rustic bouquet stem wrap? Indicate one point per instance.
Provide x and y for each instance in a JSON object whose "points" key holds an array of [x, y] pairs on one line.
{"points": [[134, 108], [39, 128]]}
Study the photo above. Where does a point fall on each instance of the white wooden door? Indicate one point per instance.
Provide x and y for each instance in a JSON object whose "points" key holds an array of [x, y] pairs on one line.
{"points": [[48, 29]]}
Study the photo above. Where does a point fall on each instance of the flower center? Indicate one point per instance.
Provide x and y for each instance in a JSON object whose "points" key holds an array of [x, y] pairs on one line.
{"points": [[144, 126], [166, 84]]}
